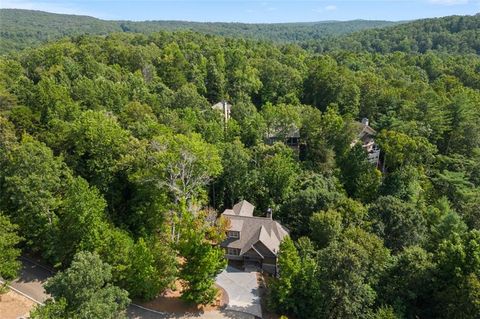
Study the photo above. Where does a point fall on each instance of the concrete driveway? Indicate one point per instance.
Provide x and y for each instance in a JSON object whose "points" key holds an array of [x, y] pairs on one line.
{"points": [[242, 290], [34, 275]]}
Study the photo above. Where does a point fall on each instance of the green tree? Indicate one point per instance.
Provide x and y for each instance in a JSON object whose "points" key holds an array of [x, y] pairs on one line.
{"points": [[235, 180], [457, 285], [203, 261], [97, 143], [282, 291], [349, 269], [173, 66], [32, 180], [276, 173], [81, 215], [328, 83], [360, 177], [407, 283], [86, 290], [400, 223], [152, 269], [215, 80], [402, 149], [9, 239], [282, 120], [326, 226]]}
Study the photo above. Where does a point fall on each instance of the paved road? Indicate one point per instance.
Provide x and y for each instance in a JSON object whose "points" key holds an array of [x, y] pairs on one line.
{"points": [[242, 290], [31, 280], [34, 275]]}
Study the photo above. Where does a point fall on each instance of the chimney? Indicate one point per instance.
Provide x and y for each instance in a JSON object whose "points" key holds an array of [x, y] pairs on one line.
{"points": [[365, 121], [269, 213], [225, 110]]}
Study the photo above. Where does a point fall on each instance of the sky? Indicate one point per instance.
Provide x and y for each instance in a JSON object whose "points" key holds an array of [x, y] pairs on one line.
{"points": [[252, 11]]}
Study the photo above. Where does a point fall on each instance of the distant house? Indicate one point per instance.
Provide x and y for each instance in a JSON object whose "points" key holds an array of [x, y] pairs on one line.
{"points": [[225, 108], [252, 240], [290, 138], [366, 137]]}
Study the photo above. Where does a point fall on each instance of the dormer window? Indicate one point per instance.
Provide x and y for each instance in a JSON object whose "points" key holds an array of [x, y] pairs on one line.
{"points": [[233, 234]]}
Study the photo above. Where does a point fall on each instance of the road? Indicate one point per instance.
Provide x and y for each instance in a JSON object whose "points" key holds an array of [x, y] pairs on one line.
{"points": [[33, 275], [31, 280]]}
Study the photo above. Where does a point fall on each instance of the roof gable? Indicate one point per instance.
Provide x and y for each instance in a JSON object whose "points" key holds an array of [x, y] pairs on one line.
{"points": [[253, 230], [243, 208]]}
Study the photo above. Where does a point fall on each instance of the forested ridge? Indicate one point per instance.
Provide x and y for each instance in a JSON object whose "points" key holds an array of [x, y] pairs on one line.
{"points": [[115, 166], [21, 29], [454, 34]]}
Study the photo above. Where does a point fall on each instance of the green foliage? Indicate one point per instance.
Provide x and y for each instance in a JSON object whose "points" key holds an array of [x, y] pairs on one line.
{"points": [[361, 179], [97, 143], [152, 269], [21, 28], [84, 291], [457, 274], [9, 239], [281, 296], [402, 149], [325, 227], [81, 216], [234, 182], [400, 223], [31, 182], [454, 34], [406, 283], [203, 261], [108, 144], [349, 269]]}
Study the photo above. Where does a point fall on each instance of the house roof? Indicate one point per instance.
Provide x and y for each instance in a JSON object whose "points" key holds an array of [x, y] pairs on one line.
{"points": [[364, 129], [236, 225], [242, 208], [291, 132], [219, 106], [365, 134], [253, 229]]}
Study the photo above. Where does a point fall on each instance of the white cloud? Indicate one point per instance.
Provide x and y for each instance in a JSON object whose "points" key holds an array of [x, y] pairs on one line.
{"points": [[330, 8], [448, 2]]}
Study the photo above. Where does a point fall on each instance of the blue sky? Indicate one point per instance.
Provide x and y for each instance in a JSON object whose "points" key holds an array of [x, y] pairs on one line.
{"points": [[252, 10]]}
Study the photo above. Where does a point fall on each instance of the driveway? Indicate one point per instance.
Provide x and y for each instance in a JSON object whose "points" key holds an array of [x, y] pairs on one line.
{"points": [[242, 290], [33, 275]]}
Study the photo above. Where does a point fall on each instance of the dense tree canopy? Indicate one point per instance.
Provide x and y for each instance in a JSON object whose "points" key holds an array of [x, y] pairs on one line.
{"points": [[109, 145]]}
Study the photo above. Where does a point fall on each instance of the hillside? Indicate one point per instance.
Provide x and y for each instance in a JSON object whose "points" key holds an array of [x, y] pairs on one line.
{"points": [[453, 34], [114, 165], [25, 28]]}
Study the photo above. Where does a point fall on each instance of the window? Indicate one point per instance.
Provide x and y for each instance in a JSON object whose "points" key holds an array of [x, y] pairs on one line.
{"points": [[292, 141], [233, 251], [233, 234]]}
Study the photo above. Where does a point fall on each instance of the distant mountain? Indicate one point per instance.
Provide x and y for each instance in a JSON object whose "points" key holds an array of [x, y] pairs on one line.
{"points": [[26, 28], [452, 34]]}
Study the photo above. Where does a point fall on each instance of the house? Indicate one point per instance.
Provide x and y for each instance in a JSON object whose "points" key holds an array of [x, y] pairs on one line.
{"points": [[252, 240], [290, 138], [225, 108], [366, 137]]}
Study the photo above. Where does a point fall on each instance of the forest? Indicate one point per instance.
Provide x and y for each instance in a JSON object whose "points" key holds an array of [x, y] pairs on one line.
{"points": [[115, 166], [21, 29], [454, 34]]}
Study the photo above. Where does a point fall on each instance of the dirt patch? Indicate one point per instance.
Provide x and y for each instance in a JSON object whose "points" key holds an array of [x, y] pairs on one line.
{"points": [[14, 305], [171, 302]]}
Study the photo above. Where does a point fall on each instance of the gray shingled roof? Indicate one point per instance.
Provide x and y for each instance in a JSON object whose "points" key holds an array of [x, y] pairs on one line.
{"points": [[253, 229]]}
